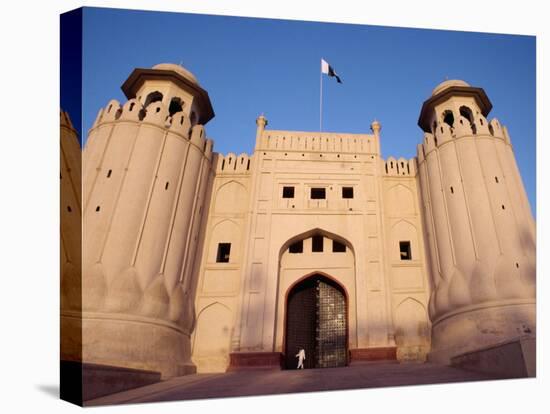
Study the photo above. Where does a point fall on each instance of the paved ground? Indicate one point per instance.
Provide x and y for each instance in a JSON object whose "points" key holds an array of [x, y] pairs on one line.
{"points": [[262, 382]]}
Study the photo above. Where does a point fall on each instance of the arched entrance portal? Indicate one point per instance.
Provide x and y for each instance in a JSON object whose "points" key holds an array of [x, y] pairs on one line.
{"points": [[317, 321]]}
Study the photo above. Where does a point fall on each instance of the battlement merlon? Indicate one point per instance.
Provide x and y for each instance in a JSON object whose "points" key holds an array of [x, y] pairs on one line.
{"points": [[315, 141], [400, 167]]}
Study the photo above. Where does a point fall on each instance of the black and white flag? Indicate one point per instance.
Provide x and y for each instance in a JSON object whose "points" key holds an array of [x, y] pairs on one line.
{"points": [[329, 70]]}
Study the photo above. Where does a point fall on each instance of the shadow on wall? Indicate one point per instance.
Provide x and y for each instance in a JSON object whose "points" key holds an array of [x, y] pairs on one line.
{"points": [[70, 261]]}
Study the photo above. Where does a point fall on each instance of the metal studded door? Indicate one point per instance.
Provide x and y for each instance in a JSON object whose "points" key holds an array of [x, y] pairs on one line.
{"points": [[331, 326], [316, 321], [301, 322]]}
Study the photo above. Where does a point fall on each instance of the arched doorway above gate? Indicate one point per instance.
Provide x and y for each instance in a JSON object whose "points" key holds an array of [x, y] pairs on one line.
{"points": [[316, 315]]}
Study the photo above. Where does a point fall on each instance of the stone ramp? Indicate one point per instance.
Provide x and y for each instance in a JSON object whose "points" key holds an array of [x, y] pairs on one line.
{"points": [[265, 382]]}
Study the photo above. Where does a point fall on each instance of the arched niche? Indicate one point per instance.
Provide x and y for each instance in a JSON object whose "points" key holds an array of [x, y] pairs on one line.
{"points": [[212, 338], [231, 198], [400, 201], [411, 330]]}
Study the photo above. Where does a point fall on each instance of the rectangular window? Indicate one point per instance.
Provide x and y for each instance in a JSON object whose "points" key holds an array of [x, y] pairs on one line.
{"points": [[347, 192], [318, 193], [223, 252], [288, 192], [405, 250], [317, 244], [297, 247], [338, 247]]}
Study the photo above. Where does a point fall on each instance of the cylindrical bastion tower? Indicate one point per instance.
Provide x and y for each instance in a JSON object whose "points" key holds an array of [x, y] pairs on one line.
{"points": [[479, 225], [146, 168]]}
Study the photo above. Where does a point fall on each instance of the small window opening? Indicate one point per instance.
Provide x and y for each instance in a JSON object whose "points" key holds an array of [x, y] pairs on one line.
{"points": [[109, 173], [317, 244], [347, 192], [176, 105], [248, 165], [223, 164], [69, 209], [405, 250], [338, 247], [132, 106], [452, 190], [449, 118], [496, 179], [517, 265], [288, 192], [224, 250], [503, 207], [97, 208], [158, 109], [467, 113], [153, 97], [297, 247], [318, 193], [166, 185]]}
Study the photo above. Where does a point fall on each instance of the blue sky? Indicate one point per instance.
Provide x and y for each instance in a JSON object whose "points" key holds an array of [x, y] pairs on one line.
{"points": [[250, 66]]}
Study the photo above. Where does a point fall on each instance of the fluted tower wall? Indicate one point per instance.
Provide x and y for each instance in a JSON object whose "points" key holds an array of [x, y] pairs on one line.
{"points": [[479, 227], [145, 170], [71, 237]]}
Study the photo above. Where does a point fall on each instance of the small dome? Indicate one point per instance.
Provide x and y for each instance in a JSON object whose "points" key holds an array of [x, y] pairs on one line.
{"points": [[447, 84], [178, 69]]}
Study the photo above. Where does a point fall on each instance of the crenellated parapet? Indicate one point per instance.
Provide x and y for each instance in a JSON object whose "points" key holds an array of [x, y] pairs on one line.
{"points": [[443, 133], [233, 164], [400, 167], [154, 114]]}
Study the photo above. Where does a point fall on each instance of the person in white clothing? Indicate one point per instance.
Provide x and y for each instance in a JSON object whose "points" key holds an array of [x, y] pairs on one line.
{"points": [[301, 355]]}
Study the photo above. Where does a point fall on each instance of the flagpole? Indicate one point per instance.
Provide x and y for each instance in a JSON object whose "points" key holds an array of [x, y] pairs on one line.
{"points": [[321, 102]]}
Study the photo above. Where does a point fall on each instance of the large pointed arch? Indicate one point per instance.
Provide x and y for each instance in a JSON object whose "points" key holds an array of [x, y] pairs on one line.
{"points": [[212, 338], [324, 330]]}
